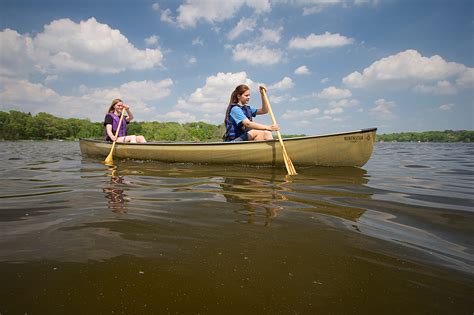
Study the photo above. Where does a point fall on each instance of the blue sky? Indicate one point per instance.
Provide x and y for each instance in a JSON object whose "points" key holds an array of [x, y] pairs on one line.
{"points": [[328, 65]]}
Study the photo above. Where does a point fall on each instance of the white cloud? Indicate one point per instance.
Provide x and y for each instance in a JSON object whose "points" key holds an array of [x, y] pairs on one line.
{"points": [[277, 98], [312, 10], [191, 12], [51, 78], [361, 2], [441, 87], [167, 17], [318, 2], [383, 109], [177, 116], [152, 40], [155, 6], [446, 107], [320, 41], [214, 96], [317, 6], [244, 25], [256, 54], [91, 103], [192, 60], [345, 103], [324, 80], [407, 67], [197, 41], [284, 84], [338, 107], [140, 90], [64, 45], [333, 93], [303, 70], [17, 53], [334, 111], [466, 79], [28, 94], [300, 114], [271, 35]]}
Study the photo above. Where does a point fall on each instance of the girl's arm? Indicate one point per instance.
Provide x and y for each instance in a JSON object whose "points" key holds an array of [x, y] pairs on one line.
{"points": [[108, 129], [253, 125], [130, 115], [264, 108]]}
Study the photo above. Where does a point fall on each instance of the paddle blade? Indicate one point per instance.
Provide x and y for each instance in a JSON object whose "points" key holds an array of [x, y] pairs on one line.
{"points": [[109, 159]]}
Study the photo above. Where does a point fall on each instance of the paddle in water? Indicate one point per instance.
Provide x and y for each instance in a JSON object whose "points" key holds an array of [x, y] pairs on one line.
{"points": [[289, 165]]}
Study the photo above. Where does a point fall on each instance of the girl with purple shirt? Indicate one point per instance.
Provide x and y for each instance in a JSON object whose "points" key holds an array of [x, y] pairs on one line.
{"points": [[111, 123]]}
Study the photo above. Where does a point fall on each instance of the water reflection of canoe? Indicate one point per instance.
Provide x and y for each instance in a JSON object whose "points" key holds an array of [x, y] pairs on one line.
{"points": [[352, 148]]}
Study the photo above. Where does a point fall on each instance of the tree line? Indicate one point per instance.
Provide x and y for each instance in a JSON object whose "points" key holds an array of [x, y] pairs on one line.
{"points": [[16, 125], [429, 136]]}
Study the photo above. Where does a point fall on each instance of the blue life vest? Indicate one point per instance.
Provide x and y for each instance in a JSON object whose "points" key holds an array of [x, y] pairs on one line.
{"points": [[115, 122], [234, 130]]}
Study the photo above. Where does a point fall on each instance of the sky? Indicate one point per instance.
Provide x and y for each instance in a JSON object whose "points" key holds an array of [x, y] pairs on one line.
{"points": [[328, 65]]}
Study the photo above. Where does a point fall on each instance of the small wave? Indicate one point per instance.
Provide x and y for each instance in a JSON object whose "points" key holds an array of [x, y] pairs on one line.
{"points": [[36, 194], [416, 166]]}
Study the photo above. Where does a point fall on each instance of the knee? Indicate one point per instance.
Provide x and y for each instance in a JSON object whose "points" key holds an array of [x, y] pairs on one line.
{"points": [[268, 135]]}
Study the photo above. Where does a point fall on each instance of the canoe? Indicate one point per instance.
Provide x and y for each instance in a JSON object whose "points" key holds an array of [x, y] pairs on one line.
{"points": [[352, 148]]}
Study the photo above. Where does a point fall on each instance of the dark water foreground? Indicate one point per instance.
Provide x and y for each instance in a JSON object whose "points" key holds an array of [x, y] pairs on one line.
{"points": [[78, 237]]}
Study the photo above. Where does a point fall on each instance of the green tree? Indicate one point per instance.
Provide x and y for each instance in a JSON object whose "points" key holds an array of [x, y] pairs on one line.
{"points": [[50, 127], [18, 126]]}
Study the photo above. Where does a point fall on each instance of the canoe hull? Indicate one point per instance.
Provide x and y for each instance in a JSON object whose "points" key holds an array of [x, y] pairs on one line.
{"points": [[342, 149]]}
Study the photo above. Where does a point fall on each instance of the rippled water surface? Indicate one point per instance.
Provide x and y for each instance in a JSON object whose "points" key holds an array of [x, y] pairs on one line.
{"points": [[77, 236]]}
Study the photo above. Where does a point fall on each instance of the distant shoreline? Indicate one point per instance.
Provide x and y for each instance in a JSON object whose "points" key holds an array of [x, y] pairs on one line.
{"points": [[428, 136], [16, 125]]}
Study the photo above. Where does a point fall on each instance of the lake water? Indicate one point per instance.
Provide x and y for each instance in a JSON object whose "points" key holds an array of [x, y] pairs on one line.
{"points": [[78, 237]]}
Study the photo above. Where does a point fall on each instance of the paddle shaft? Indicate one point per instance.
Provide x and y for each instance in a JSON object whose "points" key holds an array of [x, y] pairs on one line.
{"points": [[289, 165], [109, 157]]}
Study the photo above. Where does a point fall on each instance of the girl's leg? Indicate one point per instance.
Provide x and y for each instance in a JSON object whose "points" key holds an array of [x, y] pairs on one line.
{"points": [[141, 139], [260, 135], [131, 139], [268, 135], [253, 134]]}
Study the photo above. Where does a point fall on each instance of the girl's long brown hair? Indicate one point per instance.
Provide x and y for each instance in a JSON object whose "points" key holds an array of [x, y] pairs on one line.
{"points": [[112, 106], [239, 90]]}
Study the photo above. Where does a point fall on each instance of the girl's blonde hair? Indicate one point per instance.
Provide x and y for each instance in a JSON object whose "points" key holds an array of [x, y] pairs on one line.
{"points": [[112, 106]]}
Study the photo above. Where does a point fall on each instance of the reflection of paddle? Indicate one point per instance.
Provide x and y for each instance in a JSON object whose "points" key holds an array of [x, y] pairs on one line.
{"points": [[109, 159], [289, 165]]}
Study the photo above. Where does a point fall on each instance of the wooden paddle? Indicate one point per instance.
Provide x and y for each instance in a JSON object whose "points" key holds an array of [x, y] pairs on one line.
{"points": [[289, 165], [109, 159]]}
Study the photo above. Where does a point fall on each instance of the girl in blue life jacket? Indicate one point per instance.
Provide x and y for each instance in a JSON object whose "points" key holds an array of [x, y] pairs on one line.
{"points": [[112, 120], [239, 117]]}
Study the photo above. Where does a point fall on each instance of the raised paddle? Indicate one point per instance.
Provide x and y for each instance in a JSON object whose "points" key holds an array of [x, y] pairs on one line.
{"points": [[289, 165], [109, 159]]}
